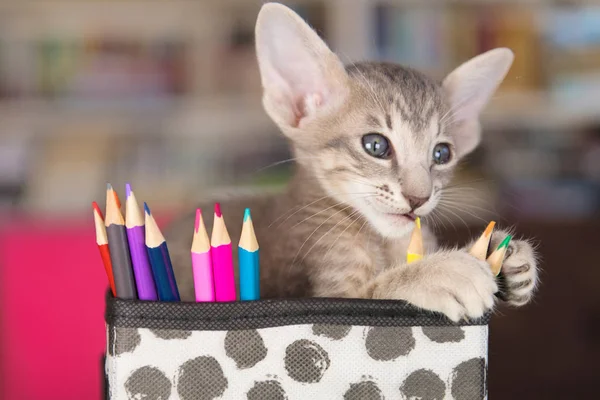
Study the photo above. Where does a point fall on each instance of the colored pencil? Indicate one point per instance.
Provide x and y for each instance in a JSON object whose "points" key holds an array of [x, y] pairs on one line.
{"points": [[481, 246], [102, 242], [497, 257], [222, 259], [248, 256], [119, 248], [202, 268], [158, 253], [415, 250], [134, 221], [116, 198]]}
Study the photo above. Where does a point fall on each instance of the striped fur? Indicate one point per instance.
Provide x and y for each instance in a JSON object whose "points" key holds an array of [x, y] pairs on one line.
{"points": [[340, 227]]}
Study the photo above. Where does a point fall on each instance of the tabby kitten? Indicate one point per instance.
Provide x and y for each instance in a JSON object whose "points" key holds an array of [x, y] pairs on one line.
{"points": [[376, 144]]}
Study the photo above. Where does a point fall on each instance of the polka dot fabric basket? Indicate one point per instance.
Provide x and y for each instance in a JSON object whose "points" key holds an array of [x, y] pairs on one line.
{"points": [[292, 349]]}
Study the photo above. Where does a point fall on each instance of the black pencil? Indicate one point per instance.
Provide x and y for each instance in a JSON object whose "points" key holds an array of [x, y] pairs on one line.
{"points": [[119, 248]]}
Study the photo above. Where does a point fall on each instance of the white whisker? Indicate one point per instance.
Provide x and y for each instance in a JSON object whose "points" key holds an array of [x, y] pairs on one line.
{"points": [[313, 232], [340, 235], [326, 233]]}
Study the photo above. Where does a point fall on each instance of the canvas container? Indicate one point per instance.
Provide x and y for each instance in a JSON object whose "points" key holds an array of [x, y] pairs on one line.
{"points": [[311, 348]]}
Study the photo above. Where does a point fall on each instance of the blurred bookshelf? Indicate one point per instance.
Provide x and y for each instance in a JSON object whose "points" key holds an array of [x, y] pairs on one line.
{"points": [[166, 95]]}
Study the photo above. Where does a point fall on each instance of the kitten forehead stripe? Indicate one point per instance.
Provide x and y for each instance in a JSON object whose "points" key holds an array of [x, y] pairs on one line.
{"points": [[373, 121], [415, 96]]}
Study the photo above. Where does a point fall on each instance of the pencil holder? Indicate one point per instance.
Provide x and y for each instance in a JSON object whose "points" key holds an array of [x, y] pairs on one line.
{"points": [[310, 348]]}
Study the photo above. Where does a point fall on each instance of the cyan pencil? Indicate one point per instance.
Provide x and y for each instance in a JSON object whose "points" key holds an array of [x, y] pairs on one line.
{"points": [[248, 257], [134, 221], [158, 253]]}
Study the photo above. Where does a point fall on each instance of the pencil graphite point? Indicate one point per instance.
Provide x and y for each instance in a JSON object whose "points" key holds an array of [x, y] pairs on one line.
{"points": [[418, 222], [218, 209], [147, 209], [109, 186], [127, 190], [505, 242], [197, 223], [95, 205], [489, 229], [247, 214], [117, 199]]}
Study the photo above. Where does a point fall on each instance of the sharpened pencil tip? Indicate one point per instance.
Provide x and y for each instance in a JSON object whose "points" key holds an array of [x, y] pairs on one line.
{"points": [[247, 214], [127, 190], [505, 242], [147, 209], [418, 222], [218, 209], [197, 223], [109, 186], [95, 205], [490, 227]]}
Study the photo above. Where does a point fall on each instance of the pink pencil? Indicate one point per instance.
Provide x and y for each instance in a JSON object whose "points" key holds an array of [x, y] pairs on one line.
{"points": [[222, 259], [202, 262]]}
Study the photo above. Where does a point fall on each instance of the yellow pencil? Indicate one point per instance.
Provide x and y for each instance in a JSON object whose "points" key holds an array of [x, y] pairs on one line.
{"points": [[480, 248], [415, 247], [497, 257]]}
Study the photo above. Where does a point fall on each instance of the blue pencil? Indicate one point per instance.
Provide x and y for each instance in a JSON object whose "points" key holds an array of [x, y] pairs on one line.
{"points": [[160, 261], [248, 257]]}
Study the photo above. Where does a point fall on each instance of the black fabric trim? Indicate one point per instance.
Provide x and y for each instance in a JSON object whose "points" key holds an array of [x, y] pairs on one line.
{"points": [[270, 313]]}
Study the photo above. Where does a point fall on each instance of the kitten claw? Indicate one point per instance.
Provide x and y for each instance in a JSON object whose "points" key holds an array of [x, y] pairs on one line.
{"points": [[519, 273]]}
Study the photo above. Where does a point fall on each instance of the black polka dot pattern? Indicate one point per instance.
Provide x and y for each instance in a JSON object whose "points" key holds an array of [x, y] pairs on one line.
{"points": [[314, 356], [335, 332], [423, 384], [148, 383], [171, 334], [306, 361], [246, 348], [444, 334], [201, 378], [124, 340], [389, 343], [468, 380], [366, 390], [266, 390]]}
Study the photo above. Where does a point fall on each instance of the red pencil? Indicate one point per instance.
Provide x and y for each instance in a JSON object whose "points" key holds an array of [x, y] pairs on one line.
{"points": [[102, 242]]}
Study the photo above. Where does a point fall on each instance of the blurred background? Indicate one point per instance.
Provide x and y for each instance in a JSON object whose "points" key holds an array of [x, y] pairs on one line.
{"points": [[166, 95]]}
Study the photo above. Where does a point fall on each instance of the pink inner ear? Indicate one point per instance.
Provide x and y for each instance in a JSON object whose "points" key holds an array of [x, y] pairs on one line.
{"points": [[305, 105]]}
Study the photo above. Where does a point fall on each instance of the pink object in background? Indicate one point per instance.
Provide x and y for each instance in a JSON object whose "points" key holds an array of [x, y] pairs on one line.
{"points": [[52, 334]]}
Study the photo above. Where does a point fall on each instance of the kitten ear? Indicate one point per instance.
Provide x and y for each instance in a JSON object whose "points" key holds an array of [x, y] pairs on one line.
{"points": [[469, 88], [301, 77]]}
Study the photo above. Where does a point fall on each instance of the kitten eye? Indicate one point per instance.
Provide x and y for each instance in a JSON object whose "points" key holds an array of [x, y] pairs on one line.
{"points": [[376, 145], [441, 153]]}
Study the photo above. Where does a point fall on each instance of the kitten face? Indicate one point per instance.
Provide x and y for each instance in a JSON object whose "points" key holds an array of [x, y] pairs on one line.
{"points": [[389, 148], [379, 137]]}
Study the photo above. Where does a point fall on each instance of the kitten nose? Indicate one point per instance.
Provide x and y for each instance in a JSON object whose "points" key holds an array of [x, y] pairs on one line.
{"points": [[415, 202]]}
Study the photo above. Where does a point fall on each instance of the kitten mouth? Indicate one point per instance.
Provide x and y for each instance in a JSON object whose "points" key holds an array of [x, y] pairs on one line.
{"points": [[410, 216]]}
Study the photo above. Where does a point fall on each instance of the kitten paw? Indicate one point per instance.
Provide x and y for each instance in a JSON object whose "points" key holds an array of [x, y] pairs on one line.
{"points": [[453, 283], [519, 275]]}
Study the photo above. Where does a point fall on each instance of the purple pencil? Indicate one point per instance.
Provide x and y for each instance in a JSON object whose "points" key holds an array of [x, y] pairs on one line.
{"points": [[134, 221]]}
